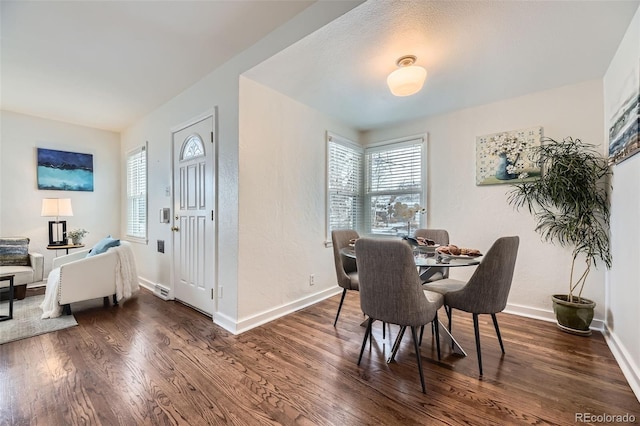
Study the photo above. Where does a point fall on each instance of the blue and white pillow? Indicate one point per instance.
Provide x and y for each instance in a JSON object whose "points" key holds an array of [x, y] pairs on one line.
{"points": [[103, 245]]}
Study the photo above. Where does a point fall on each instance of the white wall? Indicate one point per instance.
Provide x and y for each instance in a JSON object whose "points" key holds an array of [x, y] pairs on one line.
{"points": [[282, 204], [476, 216], [221, 89], [623, 289], [97, 211]]}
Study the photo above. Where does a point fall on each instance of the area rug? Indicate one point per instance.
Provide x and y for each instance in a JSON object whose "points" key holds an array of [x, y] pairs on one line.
{"points": [[26, 320]]}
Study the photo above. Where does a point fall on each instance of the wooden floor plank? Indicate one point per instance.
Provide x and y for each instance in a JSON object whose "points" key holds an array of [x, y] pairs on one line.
{"points": [[154, 362]]}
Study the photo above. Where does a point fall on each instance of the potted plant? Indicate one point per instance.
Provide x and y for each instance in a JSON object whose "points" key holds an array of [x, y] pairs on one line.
{"points": [[570, 203], [76, 235]]}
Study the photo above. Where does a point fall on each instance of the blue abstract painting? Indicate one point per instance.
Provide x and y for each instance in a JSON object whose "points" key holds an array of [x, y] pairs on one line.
{"points": [[66, 171]]}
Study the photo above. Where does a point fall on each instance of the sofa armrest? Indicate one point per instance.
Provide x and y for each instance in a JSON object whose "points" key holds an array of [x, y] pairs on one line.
{"points": [[37, 263], [98, 271], [62, 260]]}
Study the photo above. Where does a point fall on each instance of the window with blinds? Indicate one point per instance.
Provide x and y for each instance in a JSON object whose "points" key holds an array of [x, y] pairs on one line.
{"points": [[344, 181], [137, 193], [394, 182]]}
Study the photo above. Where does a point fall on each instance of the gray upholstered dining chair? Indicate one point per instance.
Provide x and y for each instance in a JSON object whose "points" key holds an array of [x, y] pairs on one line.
{"points": [[487, 290], [391, 291], [346, 270], [441, 237]]}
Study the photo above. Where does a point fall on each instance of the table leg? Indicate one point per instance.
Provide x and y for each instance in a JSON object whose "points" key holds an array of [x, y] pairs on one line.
{"points": [[444, 333], [396, 344]]}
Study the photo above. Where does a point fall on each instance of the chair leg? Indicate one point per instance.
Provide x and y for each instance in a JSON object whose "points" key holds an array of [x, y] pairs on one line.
{"points": [[418, 357], [66, 309], [384, 330], [433, 327], [344, 293], [495, 324], [115, 300], [436, 329], [366, 336], [477, 331], [105, 301]]}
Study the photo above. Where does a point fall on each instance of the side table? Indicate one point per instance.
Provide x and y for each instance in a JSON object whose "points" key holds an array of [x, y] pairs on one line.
{"points": [[66, 247], [10, 279]]}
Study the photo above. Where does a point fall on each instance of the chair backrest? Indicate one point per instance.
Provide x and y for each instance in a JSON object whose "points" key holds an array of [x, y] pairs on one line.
{"points": [[344, 265], [440, 236], [390, 289], [488, 288]]}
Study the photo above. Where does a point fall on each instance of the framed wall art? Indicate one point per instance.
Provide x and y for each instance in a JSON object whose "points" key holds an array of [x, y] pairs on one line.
{"points": [[503, 158], [624, 129], [64, 171]]}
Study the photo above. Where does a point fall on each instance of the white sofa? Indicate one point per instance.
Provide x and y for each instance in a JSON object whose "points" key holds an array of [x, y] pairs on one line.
{"points": [[23, 274], [80, 278]]}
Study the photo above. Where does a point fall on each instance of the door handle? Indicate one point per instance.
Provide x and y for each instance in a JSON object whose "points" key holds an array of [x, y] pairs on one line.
{"points": [[175, 228]]}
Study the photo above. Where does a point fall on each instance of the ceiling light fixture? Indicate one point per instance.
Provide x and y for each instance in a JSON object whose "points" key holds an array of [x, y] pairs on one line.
{"points": [[408, 79]]}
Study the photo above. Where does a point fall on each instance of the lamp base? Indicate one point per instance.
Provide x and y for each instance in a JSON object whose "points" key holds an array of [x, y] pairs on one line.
{"points": [[57, 233]]}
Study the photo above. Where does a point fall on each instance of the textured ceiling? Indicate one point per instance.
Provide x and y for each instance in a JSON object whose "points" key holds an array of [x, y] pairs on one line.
{"points": [[105, 64], [475, 52]]}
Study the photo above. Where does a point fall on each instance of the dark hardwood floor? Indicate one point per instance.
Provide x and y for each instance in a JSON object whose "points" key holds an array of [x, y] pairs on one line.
{"points": [[154, 362]]}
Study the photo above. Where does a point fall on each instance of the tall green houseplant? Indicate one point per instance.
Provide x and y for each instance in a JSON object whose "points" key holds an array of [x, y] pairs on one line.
{"points": [[570, 204]]}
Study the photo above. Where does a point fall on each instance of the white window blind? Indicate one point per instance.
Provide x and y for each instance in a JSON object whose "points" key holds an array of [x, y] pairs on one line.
{"points": [[394, 174], [137, 193], [344, 176]]}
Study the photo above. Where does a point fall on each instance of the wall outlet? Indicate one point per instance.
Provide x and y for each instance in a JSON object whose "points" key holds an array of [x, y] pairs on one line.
{"points": [[312, 279]]}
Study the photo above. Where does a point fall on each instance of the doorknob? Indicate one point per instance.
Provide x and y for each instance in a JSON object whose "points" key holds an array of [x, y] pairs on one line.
{"points": [[175, 228]]}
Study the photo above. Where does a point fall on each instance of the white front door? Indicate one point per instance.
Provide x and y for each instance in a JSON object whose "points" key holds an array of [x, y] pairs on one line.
{"points": [[193, 215]]}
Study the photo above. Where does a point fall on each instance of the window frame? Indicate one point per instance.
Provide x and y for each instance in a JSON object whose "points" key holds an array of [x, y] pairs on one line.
{"points": [[141, 151], [368, 193], [332, 138]]}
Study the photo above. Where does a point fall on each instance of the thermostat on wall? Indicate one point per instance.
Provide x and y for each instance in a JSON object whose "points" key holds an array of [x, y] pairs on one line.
{"points": [[165, 215]]}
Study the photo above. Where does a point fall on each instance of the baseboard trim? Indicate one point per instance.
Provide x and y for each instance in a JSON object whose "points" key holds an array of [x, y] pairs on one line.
{"points": [[545, 315], [37, 284], [225, 322], [246, 324], [630, 369]]}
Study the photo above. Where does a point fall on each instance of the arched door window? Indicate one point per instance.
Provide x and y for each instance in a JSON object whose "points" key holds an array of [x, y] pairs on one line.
{"points": [[193, 147]]}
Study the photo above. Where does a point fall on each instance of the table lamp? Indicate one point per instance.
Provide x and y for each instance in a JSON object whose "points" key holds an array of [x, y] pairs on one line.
{"points": [[56, 207]]}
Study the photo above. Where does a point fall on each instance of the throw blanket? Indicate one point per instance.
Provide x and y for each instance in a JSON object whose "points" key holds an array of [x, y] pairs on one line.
{"points": [[49, 306], [126, 273], [126, 277]]}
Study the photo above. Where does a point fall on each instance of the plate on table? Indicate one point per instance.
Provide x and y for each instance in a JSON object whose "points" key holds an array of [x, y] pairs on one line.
{"points": [[425, 249], [459, 256]]}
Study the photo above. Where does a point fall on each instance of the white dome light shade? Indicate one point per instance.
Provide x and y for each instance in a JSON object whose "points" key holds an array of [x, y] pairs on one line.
{"points": [[408, 79]]}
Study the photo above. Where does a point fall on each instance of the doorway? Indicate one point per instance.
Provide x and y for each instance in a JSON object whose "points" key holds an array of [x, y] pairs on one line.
{"points": [[194, 214]]}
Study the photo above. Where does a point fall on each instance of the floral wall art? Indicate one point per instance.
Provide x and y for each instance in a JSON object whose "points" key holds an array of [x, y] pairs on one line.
{"points": [[503, 158]]}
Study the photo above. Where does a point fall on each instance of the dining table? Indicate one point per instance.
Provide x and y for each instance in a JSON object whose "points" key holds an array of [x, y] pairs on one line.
{"points": [[428, 260]]}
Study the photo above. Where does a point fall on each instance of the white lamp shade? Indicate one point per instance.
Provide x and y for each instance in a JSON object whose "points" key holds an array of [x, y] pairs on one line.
{"points": [[56, 207], [407, 80]]}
